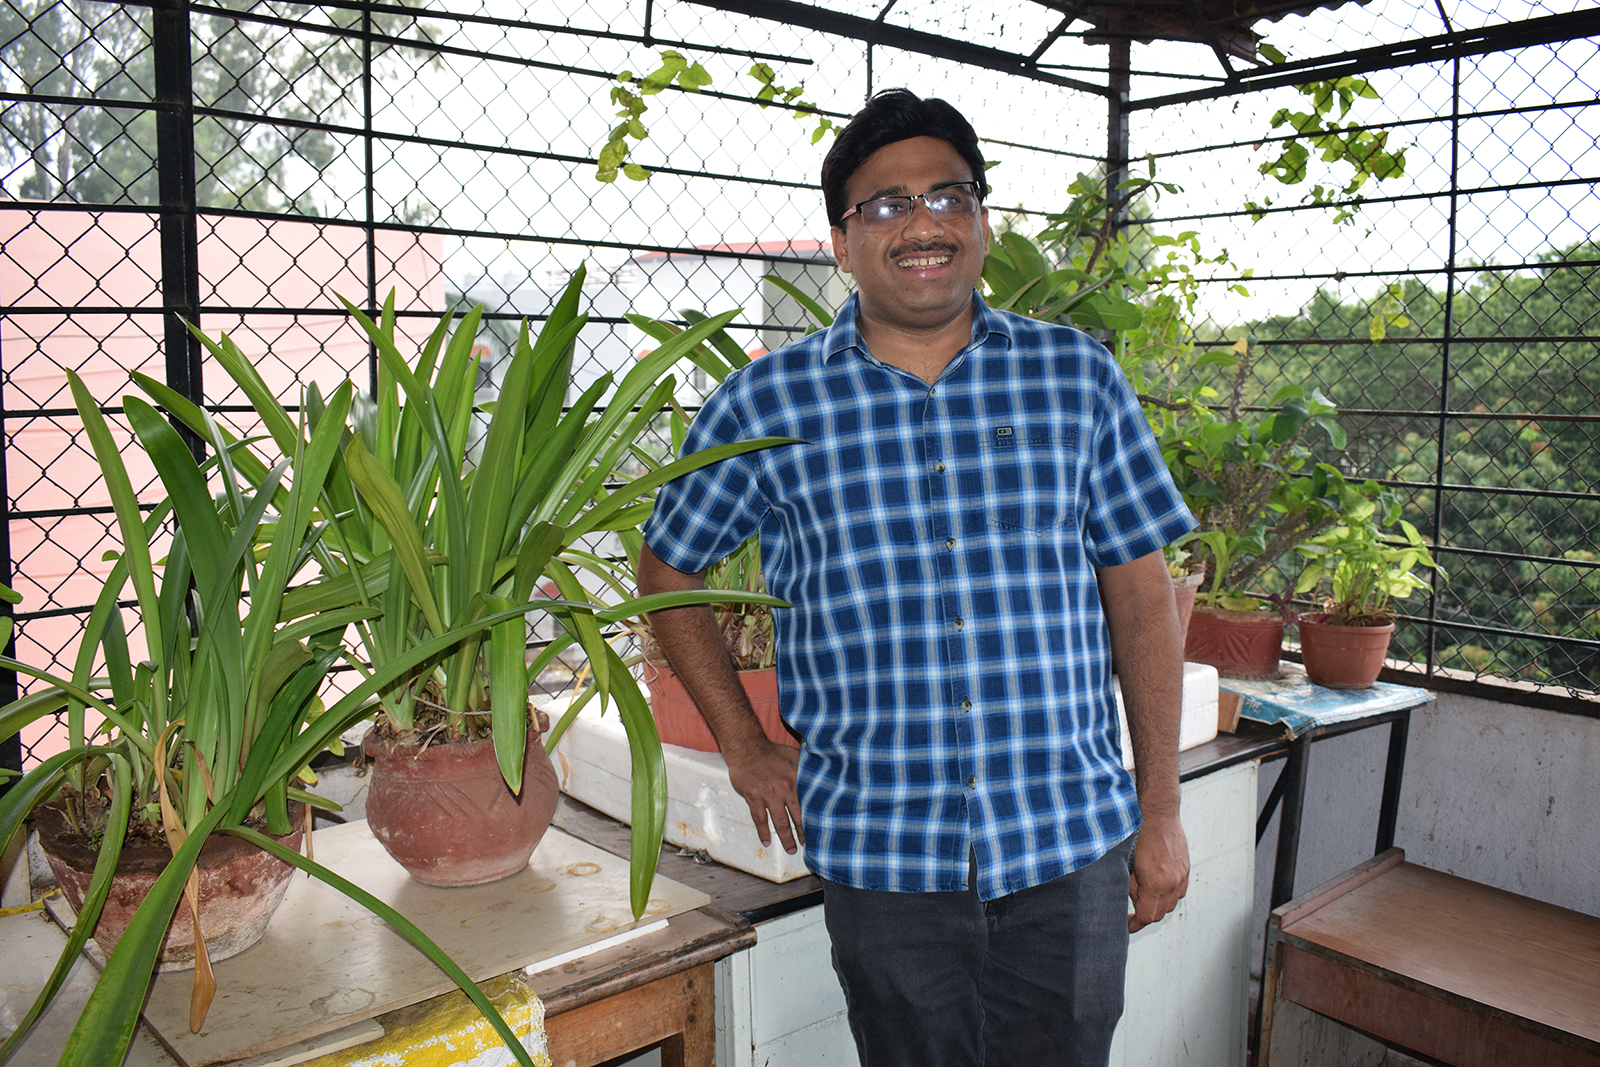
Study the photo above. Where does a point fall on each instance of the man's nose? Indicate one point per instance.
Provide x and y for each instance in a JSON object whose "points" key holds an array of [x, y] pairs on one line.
{"points": [[921, 219]]}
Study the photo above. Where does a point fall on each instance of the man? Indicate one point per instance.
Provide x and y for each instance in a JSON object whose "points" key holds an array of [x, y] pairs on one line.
{"points": [[971, 528]]}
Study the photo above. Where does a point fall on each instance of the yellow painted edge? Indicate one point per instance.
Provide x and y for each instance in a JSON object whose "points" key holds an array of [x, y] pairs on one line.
{"points": [[449, 1031]]}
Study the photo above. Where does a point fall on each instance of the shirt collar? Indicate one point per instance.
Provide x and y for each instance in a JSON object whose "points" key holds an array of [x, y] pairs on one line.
{"points": [[846, 331]]}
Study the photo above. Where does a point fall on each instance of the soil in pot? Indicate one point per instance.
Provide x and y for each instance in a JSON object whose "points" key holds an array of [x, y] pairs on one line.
{"points": [[679, 722], [240, 887], [1343, 657], [1239, 644], [445, 814]]}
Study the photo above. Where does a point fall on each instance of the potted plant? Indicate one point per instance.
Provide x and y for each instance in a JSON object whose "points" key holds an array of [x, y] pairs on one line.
{"points": [[1137, 288], [746, 625], [427, 532], [206, 728], [1257, 492], [1344, 645]]}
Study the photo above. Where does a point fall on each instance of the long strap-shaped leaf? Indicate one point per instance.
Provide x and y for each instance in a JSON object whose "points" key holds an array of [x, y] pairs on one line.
{"points": [[649, 802], [508, 691], [625, 496], [105, 865], [27, 792], [383, 496], [106, 1026], [126, 505]]}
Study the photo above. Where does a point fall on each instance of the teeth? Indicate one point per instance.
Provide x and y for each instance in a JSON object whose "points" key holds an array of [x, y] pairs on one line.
{"points": [[925, 261]]}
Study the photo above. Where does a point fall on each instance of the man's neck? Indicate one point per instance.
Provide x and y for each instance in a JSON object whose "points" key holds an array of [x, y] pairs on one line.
{"points": [[923, 352]]}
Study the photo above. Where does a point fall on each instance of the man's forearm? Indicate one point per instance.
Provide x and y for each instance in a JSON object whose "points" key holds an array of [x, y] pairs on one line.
{"points": [[1143, 623], [760, 770], [693, 645]]}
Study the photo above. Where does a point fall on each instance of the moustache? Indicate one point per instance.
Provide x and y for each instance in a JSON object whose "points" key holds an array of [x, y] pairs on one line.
{"points": [[922, 249]]}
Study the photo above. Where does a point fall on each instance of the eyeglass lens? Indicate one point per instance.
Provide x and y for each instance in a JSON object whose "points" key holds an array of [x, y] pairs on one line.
{"points": [[949, 202]]}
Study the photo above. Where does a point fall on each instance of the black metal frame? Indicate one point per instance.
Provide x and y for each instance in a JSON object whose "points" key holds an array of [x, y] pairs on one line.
{"points": [[181, 214]]}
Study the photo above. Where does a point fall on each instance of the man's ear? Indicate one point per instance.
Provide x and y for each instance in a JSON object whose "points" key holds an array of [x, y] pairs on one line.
{"points": [[988, 234], [841, 252]]}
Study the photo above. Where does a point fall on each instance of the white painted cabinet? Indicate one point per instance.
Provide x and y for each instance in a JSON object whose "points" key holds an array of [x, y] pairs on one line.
{"points": [[778, 1002], [1188, 975], [779, 1005]]}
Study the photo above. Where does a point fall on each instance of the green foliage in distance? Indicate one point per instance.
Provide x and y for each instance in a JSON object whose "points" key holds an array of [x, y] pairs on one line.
{"points": [[106, 155]]}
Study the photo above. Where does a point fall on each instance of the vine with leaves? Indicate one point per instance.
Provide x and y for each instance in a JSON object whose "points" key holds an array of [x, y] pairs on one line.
{"points": [[1363, 149], [630, 91]]}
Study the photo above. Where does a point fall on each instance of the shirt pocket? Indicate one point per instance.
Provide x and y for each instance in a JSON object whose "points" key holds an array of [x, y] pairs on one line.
{"points": [[1028, 475]]}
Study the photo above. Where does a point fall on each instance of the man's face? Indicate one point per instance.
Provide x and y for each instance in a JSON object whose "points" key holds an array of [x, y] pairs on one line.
{"points": [[917, 274]]}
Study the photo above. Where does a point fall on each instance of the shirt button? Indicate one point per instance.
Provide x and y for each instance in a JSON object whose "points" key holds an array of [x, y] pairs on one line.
{"points": [[971, 782], [960, 624], [933, 392], [939, 467], [966, 705], [949, 542]]}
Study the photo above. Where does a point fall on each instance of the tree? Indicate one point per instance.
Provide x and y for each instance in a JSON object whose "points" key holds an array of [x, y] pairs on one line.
{"points": [[102, 150], [1518, 349]]}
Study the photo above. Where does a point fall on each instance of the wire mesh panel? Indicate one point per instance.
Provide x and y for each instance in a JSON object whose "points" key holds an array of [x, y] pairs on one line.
{"points": [[1450, 310], [245, 165]]}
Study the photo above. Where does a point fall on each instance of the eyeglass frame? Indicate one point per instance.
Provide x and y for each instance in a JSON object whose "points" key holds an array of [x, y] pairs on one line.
{"points": [[977, 191]]}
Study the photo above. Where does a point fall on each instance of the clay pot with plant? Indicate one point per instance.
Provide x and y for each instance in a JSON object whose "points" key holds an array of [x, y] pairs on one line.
{"points": [[1361, 572], [203, 734], [448, 516], [1256, 490]]}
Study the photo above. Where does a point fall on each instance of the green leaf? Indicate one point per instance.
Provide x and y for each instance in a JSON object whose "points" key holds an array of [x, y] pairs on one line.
{"points": [[508, 691], [105, 865], [105, 1028], [383, 496]]}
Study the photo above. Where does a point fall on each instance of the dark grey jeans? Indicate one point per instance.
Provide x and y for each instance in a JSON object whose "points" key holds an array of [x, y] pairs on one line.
{"points": [[1034, 979]]}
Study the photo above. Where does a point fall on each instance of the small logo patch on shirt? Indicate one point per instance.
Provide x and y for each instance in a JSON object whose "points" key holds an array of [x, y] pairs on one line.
{"points": [[1002, 433]]}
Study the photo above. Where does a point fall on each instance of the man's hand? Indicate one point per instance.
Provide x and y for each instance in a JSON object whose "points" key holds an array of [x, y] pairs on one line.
{"points": [[765, 778], [1160, 875]]}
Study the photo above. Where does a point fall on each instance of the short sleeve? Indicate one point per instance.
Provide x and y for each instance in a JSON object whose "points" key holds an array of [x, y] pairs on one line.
{"points": [[1134, 507], [704, 515]]}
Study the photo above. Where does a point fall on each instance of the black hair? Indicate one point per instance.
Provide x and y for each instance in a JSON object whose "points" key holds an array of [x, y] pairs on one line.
{"points": [[894, 115]]}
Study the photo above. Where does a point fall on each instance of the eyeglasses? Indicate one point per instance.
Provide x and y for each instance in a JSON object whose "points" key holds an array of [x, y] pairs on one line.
{"points": [[954, 201]]}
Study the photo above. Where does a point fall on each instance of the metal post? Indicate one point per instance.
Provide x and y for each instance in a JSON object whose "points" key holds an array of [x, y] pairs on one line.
{"points": [[369, 172], [1294, 796], [175, 169], [1393, 773], [1444, 360], [1118, 66]]}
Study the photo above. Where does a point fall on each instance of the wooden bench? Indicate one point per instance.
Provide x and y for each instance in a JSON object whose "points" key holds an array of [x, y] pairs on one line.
{"points": [[1440, 966]]}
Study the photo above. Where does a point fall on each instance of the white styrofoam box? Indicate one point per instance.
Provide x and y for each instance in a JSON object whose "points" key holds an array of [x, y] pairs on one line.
{"points": [[1199, 723], [703, 811]]}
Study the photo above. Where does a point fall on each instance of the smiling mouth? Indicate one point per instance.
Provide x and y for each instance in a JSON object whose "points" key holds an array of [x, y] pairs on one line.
{"points": [[925, 259]]}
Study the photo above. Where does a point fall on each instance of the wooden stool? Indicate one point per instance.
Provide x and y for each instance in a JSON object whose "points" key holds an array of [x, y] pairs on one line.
{"points": [[1438, 965]]}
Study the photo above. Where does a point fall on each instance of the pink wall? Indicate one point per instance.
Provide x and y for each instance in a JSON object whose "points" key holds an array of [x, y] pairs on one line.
{"points": [[53, 260]]}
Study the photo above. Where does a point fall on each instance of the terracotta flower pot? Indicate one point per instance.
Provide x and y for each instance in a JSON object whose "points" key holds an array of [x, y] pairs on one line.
{"points": [[679, 722], [1184, 591], [446, 815], [1343, 657], [240, 887], [1239, 644]]}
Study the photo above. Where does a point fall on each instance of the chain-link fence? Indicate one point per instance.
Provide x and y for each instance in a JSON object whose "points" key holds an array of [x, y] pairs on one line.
{"points": [[242, 165]]}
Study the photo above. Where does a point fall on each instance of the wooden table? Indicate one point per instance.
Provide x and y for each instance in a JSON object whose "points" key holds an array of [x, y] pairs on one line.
{"points": [[1459, 972], [655, 989]]}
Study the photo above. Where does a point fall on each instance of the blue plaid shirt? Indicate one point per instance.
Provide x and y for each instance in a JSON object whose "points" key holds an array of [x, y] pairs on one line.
{"points": [[946, 659]]}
